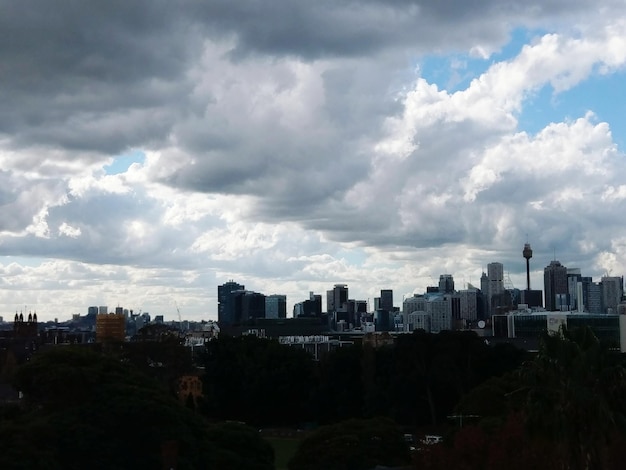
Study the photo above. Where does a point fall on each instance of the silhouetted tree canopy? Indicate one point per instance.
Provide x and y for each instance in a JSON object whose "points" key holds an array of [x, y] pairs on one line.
{"points": [[85, 410], [257, 381], [352, 445]]}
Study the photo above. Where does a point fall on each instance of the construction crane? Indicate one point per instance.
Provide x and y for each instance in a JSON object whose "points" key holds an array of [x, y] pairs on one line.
{"points": [[180, 319]]}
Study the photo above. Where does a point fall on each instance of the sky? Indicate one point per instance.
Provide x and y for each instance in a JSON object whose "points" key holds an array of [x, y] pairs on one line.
{"points": [[152, 150]]}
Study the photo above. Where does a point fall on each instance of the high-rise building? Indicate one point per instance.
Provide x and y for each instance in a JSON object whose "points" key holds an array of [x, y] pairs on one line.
{"points": [[248, 306], [484, 289], [386, 299], [413, 304], [446, 284], [573, 279], [439, 307], [495, 287], [312, 307], [593, 291], [225, 306], [276, 306], [468, 304], [555, 286], [337, 299], [612, 288]]}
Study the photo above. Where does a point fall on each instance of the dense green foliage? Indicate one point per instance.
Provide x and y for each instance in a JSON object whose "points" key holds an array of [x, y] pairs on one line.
{"points": [[86, 410], [256, 381], [352, 445], [575, 397], [564, 407], [417, 382]]}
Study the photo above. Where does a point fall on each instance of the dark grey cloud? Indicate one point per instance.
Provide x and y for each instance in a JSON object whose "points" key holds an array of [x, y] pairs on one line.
{"points": [[276, 109], [70, 70], [347, 28]]}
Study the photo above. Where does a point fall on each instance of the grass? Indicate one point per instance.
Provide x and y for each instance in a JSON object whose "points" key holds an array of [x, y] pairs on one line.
{"points": [[284, 448]]}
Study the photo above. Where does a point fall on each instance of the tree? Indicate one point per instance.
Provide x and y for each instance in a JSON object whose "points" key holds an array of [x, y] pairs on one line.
{"points": [[257, 381], [575, 396], [80, 403], [352, 445]]}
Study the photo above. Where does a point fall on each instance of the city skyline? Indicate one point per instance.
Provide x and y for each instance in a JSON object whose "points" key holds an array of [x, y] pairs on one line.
{"points": [[151, 151], [495, 269]]}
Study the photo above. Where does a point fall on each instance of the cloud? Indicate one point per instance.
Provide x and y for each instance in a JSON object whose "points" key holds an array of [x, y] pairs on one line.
{"points": [[292, 145]]}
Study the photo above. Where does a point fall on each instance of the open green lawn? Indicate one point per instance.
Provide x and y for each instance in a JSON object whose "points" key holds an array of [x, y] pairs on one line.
{"points": [[284, 448]]}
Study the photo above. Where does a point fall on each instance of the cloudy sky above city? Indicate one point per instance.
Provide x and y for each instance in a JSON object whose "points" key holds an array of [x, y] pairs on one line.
{"points": [[151, 150]]}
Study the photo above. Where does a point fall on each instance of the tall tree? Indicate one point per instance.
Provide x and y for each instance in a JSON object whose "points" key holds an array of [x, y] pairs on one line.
{"points": [[575, 396]]}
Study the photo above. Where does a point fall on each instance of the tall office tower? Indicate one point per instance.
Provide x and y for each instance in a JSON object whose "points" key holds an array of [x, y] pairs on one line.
{"points": [[555, 285], [440, 310], [386, 299], [446, 284], [484, 289], [249, 306], [339, 298], [468, 304], [225, 306], [92, 310], [612, 290], [586, 281], [337, 303], [594, 297], [495, 276], [573, 278], [312, 307], [276, 306]]}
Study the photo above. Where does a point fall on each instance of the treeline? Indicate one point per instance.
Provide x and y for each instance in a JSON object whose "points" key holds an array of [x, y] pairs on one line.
{"points": [[117, 407], [416, 382], [562, 409]]}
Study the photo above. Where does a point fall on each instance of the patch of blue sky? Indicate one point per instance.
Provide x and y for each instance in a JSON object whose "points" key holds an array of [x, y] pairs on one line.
{"points": [[31, 262], [121, 163], [355, 256], [600, 94], [454, 72]]}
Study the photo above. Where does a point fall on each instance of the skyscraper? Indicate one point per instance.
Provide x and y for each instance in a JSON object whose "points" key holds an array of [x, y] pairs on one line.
{"points": [[555, 285], [386, 299], [612, 291], [495, 289], [276, 306], [574, 277], [337, 299], [226, 306], [446, 284]]}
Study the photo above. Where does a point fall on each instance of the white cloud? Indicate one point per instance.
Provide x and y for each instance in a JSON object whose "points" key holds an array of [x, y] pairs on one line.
{"points": [[290, 164], [69, 231]]}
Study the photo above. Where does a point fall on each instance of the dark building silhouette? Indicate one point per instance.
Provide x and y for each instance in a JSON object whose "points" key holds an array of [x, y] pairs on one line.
{"points": [[386, 299], [276, 306], [25, 329], [555, 286], [249, 306], [312, 307], [225, 299]]}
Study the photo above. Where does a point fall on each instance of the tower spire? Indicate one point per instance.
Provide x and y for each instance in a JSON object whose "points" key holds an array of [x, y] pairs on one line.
{"points": [[527, 253]]}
